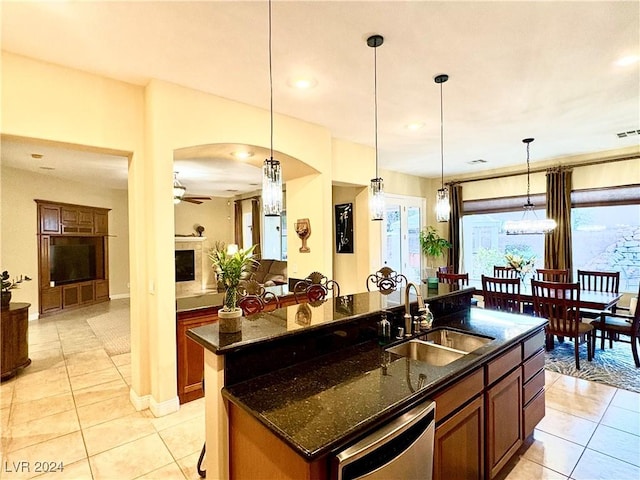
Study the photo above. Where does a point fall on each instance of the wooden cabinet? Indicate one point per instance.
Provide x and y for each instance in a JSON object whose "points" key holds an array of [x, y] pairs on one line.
{"points": [[67, 226], [459, 444], [191, 355], [15, 338], [504, 421], [533, 399]]}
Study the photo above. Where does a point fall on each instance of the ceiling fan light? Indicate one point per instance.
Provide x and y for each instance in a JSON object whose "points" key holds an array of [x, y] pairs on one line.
{"points": [[178, 189], [176, 200]]}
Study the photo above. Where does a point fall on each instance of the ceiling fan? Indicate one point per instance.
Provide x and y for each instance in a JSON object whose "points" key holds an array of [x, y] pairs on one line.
{"points": [[179, 191]]}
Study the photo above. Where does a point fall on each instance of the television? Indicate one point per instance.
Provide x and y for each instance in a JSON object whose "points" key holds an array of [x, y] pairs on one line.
{"points": [[72, 263], [185, 266]]}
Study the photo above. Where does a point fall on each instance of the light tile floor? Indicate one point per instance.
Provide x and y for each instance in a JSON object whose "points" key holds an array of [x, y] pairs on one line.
{"points": [[71, 405]]}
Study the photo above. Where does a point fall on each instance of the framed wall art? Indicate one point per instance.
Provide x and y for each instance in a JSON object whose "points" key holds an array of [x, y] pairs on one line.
{"points": [[344, 228]]}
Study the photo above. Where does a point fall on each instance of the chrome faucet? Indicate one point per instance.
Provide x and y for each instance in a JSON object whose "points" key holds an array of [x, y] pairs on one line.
{"points": [[408, 324]]}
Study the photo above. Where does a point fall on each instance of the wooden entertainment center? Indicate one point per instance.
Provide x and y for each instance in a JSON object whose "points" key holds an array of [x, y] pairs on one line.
{"points": [[73, 255]]}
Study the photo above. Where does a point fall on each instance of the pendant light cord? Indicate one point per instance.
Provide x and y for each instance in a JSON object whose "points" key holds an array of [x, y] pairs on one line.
{"points": [[441, 141], [375, 102], [270, 85], [528, 181]]}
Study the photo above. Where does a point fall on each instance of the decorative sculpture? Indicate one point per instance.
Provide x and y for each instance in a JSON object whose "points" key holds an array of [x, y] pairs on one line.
{"points": [[303, 229]]}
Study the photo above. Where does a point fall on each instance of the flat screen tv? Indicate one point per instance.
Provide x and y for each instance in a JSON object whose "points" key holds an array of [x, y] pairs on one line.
{"points": [[72, 263]]}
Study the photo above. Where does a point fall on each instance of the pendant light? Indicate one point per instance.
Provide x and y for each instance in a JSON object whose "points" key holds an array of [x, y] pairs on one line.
{"points": [[271, 171], [530, 224], [178, 189], [443, 208], [376, 191]]}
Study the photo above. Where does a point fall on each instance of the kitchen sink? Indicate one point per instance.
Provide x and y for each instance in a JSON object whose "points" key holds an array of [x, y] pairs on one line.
{"points": [[430, 353], [465, 342]]}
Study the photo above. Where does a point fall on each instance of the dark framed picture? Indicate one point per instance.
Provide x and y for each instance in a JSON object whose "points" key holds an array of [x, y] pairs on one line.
{"points": [[344, 228]]}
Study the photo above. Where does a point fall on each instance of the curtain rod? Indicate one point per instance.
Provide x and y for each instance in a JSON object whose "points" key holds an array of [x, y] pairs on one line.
{"points": [[543, 169]]}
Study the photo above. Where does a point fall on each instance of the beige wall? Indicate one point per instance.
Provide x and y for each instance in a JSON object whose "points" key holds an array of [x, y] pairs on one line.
{"points": [[19, 226]]}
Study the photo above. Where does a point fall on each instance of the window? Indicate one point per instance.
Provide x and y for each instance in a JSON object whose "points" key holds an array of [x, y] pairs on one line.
{"points": [[485, 244], [607, 238]]}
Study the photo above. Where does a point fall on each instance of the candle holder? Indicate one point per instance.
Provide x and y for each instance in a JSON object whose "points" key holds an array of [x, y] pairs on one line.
{"points": [[303, 229]]}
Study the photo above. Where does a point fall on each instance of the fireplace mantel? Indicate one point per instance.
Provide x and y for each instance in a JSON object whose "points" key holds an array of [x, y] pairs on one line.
{"points": [[190, 239]]}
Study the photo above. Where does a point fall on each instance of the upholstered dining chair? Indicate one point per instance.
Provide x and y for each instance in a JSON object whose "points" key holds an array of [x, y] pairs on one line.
{"points": [[315, 288], [386, 280], [613, 324], [501, 294], [505, 272], [559, 303], [552, 275], [254, 298]]}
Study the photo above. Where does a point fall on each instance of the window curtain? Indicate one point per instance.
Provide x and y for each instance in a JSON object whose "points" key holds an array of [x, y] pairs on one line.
{"points": [[237, 226], [255, 225], [557, 244], [455, 227]]}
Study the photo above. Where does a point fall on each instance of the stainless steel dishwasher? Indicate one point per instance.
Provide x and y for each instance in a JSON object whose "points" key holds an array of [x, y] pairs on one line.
{"points": [[401, 449]]}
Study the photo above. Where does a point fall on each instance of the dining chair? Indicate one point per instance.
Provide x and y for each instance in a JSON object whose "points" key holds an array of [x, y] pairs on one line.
{"points": [[552, 274], [459, 279], [386, 280], [254, 298], [598, 282], [447, 269], [505, 272], [501, 294], [559, 303], [614, 324], [315, 288]]}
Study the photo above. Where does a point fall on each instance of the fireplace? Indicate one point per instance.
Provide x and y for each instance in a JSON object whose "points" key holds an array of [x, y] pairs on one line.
{"points": [[185, 265]]}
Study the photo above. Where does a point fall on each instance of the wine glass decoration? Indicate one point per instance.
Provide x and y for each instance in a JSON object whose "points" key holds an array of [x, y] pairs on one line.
{"points": [[303, 229]]}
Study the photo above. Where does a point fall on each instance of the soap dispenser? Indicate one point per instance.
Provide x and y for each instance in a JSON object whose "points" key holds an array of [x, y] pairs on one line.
{"points": [[384, 329], [426, 319]]}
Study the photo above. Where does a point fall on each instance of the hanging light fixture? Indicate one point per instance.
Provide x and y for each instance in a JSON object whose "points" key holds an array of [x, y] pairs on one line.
{"points": [[178, 189], [443, 208], [530, 224], [271, 171], [376, 192]]}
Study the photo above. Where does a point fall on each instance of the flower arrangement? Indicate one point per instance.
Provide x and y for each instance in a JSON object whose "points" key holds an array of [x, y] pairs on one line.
{"points": [[8, 285], [519, 264], [232, 265]]}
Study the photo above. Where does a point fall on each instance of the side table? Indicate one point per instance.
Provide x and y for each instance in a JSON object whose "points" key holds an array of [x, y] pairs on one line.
{"points": [[15, 339]]}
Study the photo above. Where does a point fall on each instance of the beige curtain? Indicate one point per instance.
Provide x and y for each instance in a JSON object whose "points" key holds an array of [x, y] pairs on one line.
{"points": [[557, 244], [455, 227], [237, 209], [255, 225]]}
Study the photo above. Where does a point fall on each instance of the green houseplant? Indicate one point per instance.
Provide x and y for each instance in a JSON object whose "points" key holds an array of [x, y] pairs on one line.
{"points": [[7, 286], [433, 246], [232, 265]]}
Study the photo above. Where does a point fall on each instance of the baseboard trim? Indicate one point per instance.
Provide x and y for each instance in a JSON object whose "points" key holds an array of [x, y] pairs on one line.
{"points": [[34, 316], [118, 296], [139, 402], [164, 408]]}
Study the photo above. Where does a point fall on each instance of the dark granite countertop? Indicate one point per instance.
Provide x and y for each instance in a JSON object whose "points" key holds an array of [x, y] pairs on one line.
{"points": [[318, 405], [292, 320]]}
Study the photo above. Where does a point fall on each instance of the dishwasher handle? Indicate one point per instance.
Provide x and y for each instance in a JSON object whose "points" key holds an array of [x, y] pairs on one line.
{"points": [[408, 428]]}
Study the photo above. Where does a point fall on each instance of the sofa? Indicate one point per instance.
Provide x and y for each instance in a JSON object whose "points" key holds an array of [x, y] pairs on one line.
{"points": [[271, 272]]}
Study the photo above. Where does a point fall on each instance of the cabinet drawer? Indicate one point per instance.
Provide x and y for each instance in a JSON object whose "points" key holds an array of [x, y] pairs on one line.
{"points": [[503, 364], [456, 395], [533, 387], [532, 414], [532, 344], [533, 366]]}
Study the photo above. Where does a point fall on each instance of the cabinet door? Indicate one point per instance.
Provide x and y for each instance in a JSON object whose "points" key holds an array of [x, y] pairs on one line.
{"points": [[49, 219], [50, 299], [459, 445], [70, 296], [190, 359], [504, 421], [100, 223], [101, 289]]}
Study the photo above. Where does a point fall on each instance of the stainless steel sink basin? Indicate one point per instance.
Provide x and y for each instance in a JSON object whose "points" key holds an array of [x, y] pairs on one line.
{"points": [[465, 342], [426, 352]]}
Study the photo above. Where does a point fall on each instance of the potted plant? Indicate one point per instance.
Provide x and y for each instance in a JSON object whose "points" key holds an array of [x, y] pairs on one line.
{"points": [[232, 265], [433, 246], [7, 286]]}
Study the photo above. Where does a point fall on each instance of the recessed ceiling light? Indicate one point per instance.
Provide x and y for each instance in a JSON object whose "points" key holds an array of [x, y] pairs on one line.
{"points": [[414, 125], [36, 155], [242, 154], [47, 168], [302, 83], [628, 60], [475, 162]]}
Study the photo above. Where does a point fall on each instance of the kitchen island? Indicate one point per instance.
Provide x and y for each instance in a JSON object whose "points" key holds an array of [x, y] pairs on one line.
{"points": [[305, 381]]}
